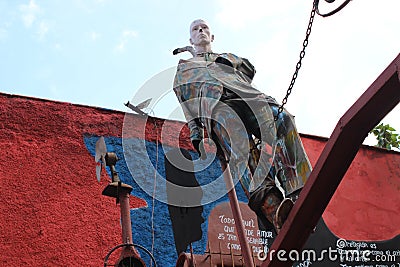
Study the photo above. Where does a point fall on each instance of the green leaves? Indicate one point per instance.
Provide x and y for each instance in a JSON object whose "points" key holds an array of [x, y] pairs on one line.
{"points": [[386, 136]]}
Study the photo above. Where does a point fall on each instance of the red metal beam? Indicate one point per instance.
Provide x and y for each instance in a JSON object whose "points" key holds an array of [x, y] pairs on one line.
{"points": [[377, 101]]}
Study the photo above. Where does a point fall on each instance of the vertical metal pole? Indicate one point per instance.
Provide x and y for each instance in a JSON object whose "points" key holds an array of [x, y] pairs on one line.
{"points": [[125, 218], [237, 215], [128, 251]]}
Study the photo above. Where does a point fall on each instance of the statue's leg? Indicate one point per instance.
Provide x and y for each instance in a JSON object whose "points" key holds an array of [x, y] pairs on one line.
{"points": [[265, 198], [291, 166], [290, 161], [231, 138], [233, 125]]}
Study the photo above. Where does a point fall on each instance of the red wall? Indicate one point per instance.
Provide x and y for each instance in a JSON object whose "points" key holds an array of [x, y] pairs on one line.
{"points": [[52, 212], [366, 205]]}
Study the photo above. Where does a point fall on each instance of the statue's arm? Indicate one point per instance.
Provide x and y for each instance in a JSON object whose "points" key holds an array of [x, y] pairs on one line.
{"points": [[247, 68], [241, 64], [195, 126]]}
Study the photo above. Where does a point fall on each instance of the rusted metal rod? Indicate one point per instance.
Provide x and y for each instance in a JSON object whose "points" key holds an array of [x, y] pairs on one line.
{"points": [[237, 215], [126, 225], [125, 218]]}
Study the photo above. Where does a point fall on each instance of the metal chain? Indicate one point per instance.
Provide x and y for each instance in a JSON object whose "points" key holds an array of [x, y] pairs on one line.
{"points": [[298, 65]]}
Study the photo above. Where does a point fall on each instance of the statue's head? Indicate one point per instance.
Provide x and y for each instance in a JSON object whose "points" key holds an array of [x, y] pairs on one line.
{"points": [[200, 34]]}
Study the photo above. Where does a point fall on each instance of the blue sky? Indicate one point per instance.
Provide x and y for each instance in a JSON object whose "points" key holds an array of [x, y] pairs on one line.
{"points": [[103, 53]]}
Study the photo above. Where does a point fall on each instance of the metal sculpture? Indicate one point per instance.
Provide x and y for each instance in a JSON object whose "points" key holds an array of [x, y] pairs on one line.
{"points": [[129, 256]]}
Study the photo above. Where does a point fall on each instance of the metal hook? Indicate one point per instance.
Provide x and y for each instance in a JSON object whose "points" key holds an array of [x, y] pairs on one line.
{"points": [[332, 12]]}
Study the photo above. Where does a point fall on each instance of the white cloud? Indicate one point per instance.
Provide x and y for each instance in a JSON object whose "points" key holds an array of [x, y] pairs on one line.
{"points": [[29, 13], [42, 30], [239, 13], [120, 46], [3, 34], [101, 1], [94, 36], [129, 33], [125, 37], [54, 90], [89, 6]]}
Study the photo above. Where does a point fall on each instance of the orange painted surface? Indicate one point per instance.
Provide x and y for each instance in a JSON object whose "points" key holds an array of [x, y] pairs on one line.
{"points": [[52, 212]]}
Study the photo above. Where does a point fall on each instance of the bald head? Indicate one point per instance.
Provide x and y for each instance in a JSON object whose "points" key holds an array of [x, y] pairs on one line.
{"points": [[200, 36], [197, 21]]}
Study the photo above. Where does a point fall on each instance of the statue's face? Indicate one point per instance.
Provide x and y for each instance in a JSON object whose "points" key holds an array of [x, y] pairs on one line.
{"points": [[200, 33]]}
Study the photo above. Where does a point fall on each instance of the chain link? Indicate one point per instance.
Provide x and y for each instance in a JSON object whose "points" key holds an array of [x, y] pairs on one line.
{"points": [[298, 65]]}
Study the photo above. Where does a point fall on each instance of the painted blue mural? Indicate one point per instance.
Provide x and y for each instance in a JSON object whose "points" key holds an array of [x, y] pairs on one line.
{"points": [[151, 226]]}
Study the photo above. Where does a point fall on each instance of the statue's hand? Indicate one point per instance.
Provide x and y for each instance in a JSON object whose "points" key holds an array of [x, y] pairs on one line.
{"points": [[199, 147]]}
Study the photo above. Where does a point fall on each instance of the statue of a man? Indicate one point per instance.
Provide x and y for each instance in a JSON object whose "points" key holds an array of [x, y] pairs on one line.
{"points": [[216, 94]]}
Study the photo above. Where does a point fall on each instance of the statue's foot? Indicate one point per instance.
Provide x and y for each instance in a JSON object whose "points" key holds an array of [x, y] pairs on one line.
{"points": [[294, 196], [282, 213]]}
